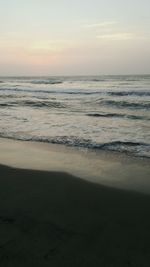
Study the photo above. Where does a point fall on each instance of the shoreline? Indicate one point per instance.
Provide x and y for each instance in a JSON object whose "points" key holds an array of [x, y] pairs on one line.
{"points": [[56, 219], [105, 168]]}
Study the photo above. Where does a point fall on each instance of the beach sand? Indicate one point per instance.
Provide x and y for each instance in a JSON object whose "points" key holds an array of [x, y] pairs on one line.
{"points": [[50, 218], [55, 219]]}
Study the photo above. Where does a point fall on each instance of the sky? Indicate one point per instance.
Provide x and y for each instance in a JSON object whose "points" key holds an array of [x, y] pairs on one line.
{"points": [[67, 37]]}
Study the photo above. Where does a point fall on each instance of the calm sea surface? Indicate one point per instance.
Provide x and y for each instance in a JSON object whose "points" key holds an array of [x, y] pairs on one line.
{"points": [[102, 112]]}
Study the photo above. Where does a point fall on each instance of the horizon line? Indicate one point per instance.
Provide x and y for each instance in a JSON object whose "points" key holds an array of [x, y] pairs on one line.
{"points": [[73, 75]]}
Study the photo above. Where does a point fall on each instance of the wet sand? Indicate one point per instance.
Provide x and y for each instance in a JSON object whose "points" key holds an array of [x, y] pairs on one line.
{"points": [[106, 168], [56, 219]]}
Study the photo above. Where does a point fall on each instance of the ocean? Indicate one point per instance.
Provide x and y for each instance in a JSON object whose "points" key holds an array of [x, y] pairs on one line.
{"points": [[93, 112]]}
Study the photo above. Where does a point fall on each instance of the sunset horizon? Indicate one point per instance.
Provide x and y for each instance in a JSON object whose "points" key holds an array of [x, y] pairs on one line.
{"points": [[71, 38]]}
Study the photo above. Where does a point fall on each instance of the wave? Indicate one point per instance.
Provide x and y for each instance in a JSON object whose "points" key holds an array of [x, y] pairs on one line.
{"points": [[134, 148], [37, 81], [98, 80], [74, 92], [125, 104], [16, 89], [116, 115], [138, 149], [129, 93], [34, 104], [124, 143], [45, 82]]}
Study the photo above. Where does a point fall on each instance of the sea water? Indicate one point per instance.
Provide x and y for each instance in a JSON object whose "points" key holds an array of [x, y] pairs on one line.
{"points": [[100, 112]]}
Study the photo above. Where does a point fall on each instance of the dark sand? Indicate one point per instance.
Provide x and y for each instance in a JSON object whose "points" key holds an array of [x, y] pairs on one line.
{"points": [[55, 219]]}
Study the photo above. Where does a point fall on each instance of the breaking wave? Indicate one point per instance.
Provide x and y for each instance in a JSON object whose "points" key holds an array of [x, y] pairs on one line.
{"points": [[133, 148]]}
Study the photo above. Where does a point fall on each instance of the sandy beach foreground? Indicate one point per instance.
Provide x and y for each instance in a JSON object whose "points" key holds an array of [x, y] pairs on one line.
{"points": [[55, 219]]}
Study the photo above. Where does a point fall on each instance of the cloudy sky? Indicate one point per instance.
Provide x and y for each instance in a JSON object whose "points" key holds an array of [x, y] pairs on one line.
{"points": [[67, 37]]}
